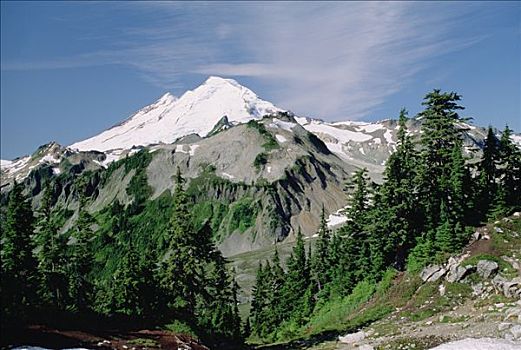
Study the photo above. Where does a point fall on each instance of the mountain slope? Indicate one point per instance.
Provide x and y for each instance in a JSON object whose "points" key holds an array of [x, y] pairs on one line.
{"points": [[169, 118]]}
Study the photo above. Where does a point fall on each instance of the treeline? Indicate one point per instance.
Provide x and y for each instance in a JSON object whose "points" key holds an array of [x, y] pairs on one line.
{"points": [[99, 270], [432, 196]]}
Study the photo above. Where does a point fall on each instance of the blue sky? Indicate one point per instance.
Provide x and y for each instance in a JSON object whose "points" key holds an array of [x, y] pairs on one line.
{"points": [[71, 69]]}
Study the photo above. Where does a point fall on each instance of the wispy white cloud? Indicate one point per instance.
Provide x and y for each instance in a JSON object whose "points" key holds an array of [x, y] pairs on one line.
{"points": [[332, 60]]}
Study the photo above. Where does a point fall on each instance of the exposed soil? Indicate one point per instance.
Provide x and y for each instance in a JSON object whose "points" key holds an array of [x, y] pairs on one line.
{"points": [[39, 335]]}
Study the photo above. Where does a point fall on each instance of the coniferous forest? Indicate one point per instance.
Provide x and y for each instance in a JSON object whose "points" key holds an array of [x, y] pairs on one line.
{"points": [[110, 271]]}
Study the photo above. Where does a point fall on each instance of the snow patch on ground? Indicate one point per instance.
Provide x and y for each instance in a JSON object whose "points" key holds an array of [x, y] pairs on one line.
{"points": [[389, 136], [341, 135], [371, 127], [268, 169], [336, 218], [282, 125], [56, 171], [301, 120], [480, 344], [49, 159], [281, 138], [228, 175], [188, 149], [338, 149]]}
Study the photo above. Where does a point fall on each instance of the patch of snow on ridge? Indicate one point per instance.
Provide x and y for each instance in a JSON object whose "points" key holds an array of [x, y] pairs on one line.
{"points": [[336, 218], [16, 164], [341, 135], [5, 163], [195, 112], [228, 175], [282, 125], [516, 139], [389, 136], [49, 159], [281, 138], [188, 149], [371, 127], [480, 344]]}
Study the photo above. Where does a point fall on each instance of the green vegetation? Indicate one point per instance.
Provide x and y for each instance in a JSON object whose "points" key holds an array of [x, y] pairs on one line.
{"points": [[154, 261], [260, 160], [270, 142], [422, 213]]}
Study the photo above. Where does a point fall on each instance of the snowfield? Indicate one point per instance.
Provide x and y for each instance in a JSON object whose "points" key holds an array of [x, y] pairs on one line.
{"points": [[195, 112]]}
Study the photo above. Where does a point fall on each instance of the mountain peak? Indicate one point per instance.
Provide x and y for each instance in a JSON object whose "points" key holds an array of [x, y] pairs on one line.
{"points": [[167, 98], [170, 118], [216, 81]]}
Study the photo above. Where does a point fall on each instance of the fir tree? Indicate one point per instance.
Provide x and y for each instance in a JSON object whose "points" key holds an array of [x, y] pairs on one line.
{"points": [[50, 256], [19, 266], [81, 259], [441, 133], [510, 174], [181, 269], [487, 188], [297, 281], [320, 264]]}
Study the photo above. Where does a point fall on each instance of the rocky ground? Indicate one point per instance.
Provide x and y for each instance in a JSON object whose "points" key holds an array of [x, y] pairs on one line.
{"points": [[476, 294]]}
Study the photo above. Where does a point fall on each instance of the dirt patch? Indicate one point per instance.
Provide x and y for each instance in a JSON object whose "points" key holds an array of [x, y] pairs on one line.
{"points": [[43, 336]]}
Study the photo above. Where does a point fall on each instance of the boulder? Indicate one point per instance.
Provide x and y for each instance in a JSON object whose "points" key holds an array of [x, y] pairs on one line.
{"points": [[432, 273], [487, 268], [510, 288], [516, 331], [352, 338], [456, 273]]}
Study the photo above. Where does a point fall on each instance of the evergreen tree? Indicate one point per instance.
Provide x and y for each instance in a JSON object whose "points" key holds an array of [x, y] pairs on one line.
{"points": [[320, 264], [487, 188], [441, 134], [297, 281], [260, 301], [19, 266], [81, 259], [396, 220], [181, 268], [51, 261], [125, 292], [509, 196]]}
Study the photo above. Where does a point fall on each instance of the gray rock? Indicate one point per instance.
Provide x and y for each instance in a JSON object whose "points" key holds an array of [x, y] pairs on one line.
{"points": [[516, 331], [487, 268], [498, 229], [477, 289], [457, 273], [504, 326], [432, 273]]}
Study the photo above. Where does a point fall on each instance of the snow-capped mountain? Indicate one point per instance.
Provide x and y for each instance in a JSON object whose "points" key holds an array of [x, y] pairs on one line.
{"points": [[202, 111], [169, 118]]}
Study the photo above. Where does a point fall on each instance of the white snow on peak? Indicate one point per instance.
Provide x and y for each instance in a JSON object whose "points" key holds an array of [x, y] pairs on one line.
{"points": [[5, 163], [195, 112]]}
